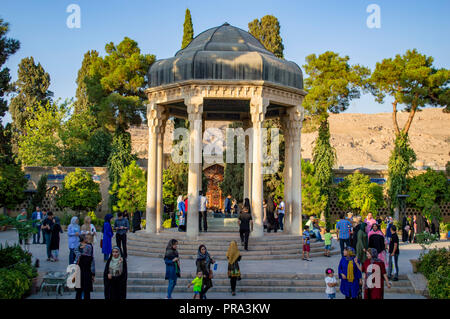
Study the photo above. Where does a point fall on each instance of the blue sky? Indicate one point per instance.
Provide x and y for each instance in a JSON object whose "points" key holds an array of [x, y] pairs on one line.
{"points": [[306, 27]]}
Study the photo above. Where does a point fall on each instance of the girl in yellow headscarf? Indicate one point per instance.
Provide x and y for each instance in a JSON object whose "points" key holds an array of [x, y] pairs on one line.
{"points": [[233, 256], [349, 274]]}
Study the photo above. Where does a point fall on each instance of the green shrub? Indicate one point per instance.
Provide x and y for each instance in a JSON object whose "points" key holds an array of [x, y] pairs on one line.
{"points": [[429, 262], [439, 283], [13, 284], [66, 218], [10, 255]]}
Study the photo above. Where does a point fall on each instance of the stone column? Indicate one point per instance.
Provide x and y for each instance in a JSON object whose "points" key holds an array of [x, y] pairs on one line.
{"points": [[295, 126], [195, 110], [247, 165], [201, 159], [154, 123], [287, 175], [258, 107], [159, 171]]}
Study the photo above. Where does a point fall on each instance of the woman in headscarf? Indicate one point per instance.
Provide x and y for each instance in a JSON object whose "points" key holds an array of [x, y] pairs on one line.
{"points": [[377, 241], [271, 222], [84, 259], [54, 241], [420, 222], [354, 236], [412, 231], [88, 229], [234, 273], [172, 262], [107, 237], [349, 274], [115, 276], [73, 232], [374, 276], [362, 242], [203, 263], [405, 229]]}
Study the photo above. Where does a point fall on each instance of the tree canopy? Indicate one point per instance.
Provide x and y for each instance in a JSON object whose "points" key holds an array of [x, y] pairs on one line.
{"points": [[356, 192], [79, 192], [427, 191], [131, 190], [32, 89], [12, 185], [267, 31], [8, 47], [412, 80], [313, 201], [116, 83]]}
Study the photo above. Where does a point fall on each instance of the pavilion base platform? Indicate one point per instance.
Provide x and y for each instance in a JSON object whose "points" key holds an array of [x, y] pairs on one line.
{"points": [[270, 246]]}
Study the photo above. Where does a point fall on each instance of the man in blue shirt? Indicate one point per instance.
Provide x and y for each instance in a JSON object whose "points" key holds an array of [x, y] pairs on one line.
{"points": [[228, 205], [121, 225], [343, 228]]}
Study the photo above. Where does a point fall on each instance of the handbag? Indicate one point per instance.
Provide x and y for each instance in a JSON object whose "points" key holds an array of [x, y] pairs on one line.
{"points": [[211, 275]]}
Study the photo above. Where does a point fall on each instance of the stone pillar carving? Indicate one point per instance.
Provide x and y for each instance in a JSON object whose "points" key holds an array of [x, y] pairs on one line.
{"points": [[258, 107], [159, 171], [154, 125], [295, 126], [195, 110]]}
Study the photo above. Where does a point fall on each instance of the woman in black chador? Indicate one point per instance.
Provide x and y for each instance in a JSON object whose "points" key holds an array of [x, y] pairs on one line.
{"points": [[115, 276]]}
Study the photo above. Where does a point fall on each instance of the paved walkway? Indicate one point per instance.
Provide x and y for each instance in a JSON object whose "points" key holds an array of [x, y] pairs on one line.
{"points": [[145, 264]]}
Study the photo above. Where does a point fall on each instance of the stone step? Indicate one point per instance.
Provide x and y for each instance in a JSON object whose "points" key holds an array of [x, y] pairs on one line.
{"points": [[215, 251], [270, 276], [256, 245], [239, 288], [244, 282], [298, 255]]}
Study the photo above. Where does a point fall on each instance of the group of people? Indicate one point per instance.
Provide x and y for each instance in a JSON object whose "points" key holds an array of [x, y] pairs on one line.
{"points": [[203, 280], [50, 226], [273, 214], [413, 225], [81, 253]]}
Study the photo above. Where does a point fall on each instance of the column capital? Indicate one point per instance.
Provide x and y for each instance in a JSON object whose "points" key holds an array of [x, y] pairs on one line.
{"points": [[156, 117], [293, 122], [258, 108], [194, 106]]}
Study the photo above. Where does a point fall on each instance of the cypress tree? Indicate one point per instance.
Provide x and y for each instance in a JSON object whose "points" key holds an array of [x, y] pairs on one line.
{"points": [[267, 31], [188, 30]]}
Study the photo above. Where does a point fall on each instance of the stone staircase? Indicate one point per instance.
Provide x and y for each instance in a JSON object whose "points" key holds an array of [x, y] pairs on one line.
{"points": [[270, 246], [149, 282]]}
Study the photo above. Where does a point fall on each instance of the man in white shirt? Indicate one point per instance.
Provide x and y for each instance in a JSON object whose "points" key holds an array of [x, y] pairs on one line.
{"points": [[202, 212]]}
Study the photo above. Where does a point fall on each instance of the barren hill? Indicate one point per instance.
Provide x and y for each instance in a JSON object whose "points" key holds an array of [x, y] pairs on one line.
{"points": [[360, 139], [368, 139]]}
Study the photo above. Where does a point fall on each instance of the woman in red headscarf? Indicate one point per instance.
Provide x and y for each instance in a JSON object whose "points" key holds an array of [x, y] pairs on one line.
{"points": [[374, 276]]}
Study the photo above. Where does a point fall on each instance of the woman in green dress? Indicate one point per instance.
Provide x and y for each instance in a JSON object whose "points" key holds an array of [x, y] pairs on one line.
{"points": [[362, 243]]}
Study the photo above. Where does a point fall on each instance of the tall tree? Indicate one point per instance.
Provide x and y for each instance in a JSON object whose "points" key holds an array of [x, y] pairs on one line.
{"points": [[313, 201], [118, 160], [331, 85], [41, 145], [32, 88], [83, 101], [116, 85], [411, 80], [188, 30], [267, 31], [8, 47]]}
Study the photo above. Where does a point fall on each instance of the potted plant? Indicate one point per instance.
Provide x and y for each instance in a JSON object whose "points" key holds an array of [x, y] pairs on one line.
{"points": [[424, 239]]}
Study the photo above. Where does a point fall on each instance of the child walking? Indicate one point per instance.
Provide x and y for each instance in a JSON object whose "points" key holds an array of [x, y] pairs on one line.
{"points": [[331, 283], [198, 283], [327, 238], [306, 247]]}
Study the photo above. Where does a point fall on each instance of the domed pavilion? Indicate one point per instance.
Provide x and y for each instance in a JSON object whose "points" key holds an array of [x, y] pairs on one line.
{"points": [[226, 74]]}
